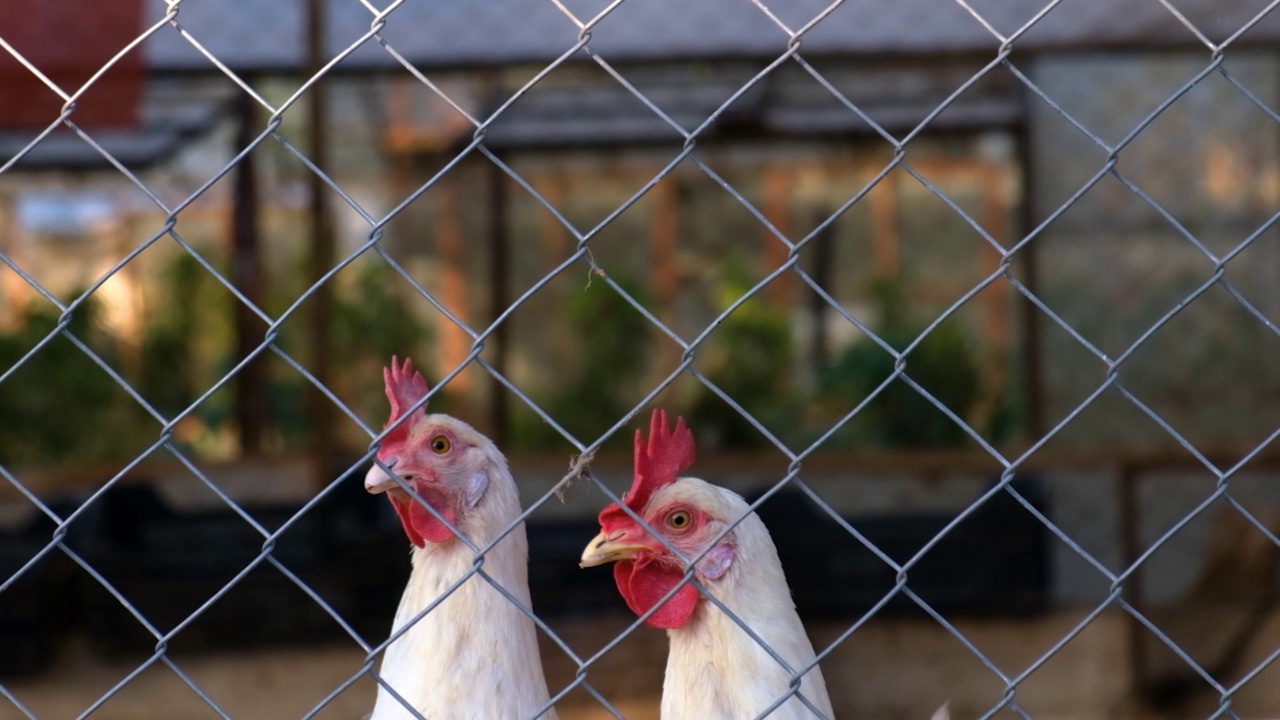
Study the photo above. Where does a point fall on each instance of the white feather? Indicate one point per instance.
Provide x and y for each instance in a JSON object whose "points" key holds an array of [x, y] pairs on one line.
{"points": [[715, 670], [475, 655]]}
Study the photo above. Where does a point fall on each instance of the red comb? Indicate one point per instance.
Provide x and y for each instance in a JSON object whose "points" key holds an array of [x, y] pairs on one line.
{"points": [[667, 454], [658, 462], [404, 387]]}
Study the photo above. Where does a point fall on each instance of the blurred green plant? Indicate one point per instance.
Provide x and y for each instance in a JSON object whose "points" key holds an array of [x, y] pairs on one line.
{"points": [[613, 359], [169, 369], [749, 358], [59, 406], [185, 348], [370, 324], [943, 363]]}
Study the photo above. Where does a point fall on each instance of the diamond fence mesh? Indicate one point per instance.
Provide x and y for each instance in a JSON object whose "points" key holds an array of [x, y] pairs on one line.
{"points": [[1084, 190]]}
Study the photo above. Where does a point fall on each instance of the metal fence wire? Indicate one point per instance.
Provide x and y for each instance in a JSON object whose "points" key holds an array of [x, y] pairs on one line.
{"points": [[790, 52]]}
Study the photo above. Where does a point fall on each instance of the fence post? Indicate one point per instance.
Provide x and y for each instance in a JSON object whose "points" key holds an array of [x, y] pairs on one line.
{"points": [[499, 277], [1028, 219], [251, 408], [322, 251]]}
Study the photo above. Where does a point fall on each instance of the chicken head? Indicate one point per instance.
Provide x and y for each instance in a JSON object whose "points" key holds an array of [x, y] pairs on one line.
{"points": [[438, 457], [689, 515]]}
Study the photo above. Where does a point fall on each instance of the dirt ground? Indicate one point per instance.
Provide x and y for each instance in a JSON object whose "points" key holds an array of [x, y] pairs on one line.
{"points": [[890, 669], [897, 669]]}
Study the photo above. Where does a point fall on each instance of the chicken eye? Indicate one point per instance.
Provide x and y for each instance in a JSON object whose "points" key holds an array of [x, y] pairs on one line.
{"points": [[679, 520], [440, 445]]}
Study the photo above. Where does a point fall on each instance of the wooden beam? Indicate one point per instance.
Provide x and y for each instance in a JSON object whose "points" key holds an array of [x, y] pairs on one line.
{"points": [[321, 412], [499, 278], [399, 104], [996, 299], [995, 220], [246, 275], [776, 207], [405, 133], [664, 247], [10, 242], [451, 258], [1028, 219], [885, 237], [553, 234], [822, 268]]}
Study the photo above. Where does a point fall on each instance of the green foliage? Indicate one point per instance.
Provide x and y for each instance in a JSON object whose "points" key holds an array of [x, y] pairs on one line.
{"points": [[186, 346], [59, 405], [942, 363], [613, 360], [168, 361], [370, 324], [749, 358]]}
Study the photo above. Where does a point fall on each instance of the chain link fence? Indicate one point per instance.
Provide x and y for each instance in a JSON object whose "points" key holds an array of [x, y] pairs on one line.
{"points": [[997, 150]]}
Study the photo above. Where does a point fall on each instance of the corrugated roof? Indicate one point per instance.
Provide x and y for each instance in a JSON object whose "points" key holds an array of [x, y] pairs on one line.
{"points": [[786, 103], [253, 34], [170, 112]]}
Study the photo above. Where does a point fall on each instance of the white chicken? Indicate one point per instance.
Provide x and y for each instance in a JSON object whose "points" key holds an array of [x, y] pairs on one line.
{"points": [[715, 669], [475, 655]]}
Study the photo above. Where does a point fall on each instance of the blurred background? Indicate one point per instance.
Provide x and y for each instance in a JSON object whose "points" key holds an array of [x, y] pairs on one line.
{"points": [[183, 254]]}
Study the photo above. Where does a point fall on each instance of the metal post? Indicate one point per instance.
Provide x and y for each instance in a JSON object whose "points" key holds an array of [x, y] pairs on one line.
{"points": [[822, 270], [1033, 376], [322, 249], [251, 408]]}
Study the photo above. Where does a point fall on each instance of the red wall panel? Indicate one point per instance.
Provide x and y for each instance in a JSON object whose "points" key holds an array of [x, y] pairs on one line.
{"points": [[70, 40]]}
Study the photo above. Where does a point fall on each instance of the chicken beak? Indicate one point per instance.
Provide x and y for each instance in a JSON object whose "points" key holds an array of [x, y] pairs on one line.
{"points": [[606, 549], [376, 481]]}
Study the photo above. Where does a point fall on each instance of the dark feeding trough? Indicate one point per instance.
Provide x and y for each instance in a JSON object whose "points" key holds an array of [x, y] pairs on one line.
{"points": [[994, 562], [35, 607], [170, 564]]}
